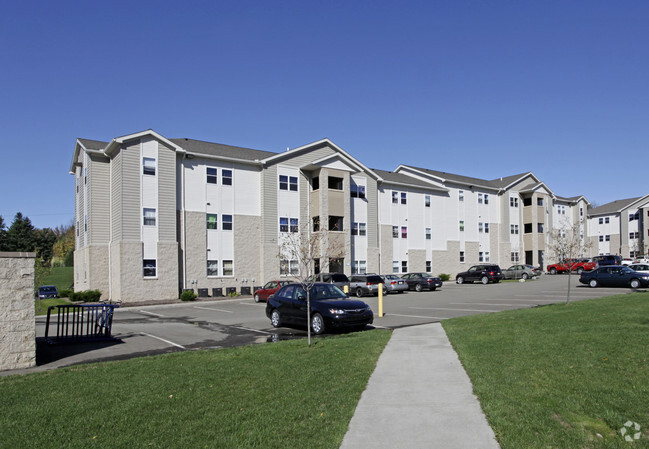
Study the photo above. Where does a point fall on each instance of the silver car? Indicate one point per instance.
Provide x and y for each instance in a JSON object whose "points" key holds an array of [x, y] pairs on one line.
{"points": [[520, 272], [394, 283]]}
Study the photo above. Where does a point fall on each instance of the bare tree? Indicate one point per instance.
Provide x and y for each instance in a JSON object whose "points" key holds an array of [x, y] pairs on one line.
{"points": [[567, 243], [299, 252]]}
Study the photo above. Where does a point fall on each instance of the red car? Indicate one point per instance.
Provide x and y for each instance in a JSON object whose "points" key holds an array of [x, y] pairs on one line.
{"points": [[577, 265], [269, 289]]}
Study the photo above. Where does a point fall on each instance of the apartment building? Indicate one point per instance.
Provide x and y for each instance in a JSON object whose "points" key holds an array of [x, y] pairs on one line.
{"points": [[156, 215], [620, 227]]}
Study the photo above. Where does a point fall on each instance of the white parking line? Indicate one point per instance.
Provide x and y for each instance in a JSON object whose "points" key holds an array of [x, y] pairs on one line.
{"points": [[214, 310], [417, 316], [151, 313], [162, 339], [483, 304], [254, 304], [252, 330], [454, 309]]}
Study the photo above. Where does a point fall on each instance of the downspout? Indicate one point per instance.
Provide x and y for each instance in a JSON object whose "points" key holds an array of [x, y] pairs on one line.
{"points": [[184, 220], [110, 231]]}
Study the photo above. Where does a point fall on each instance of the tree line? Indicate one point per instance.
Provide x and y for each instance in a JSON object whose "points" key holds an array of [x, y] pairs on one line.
{"points": [[53, 247]]}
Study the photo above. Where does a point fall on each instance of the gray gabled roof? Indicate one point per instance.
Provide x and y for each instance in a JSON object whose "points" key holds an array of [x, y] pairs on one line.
{"points": [[613, 207], [217, 149], [89, 144], [497, 184], [400, 179]]}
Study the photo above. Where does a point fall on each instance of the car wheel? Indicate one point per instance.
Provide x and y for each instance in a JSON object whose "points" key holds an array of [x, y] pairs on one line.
{"points": [[459, 280], [359, 292], [256, 297], [418, 287], [553, 270], [275, 318], [524, 276], [593, 283], [580, 270], [634, 283], [317, 324], [484, 280]]}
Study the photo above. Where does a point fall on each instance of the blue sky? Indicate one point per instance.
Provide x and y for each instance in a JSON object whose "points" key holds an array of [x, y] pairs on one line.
{"points": [[478, 88]]}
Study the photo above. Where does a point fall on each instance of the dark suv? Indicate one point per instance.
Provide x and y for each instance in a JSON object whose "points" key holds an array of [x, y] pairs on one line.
{"points": [[607, 260], [366, 284], [484, 273]]}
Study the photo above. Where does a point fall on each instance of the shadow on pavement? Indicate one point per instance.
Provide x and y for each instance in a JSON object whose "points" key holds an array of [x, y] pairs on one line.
{"points": [[48, 353]]}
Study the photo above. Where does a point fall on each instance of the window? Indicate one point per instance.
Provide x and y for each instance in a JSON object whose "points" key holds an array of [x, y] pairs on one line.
{"points": [[315, 183], [149, 217], [316, 224], [211, 175], [486, 228], [288, 183], [294, 225], [515, 257], [480, 256], [148, 166], [395, 197], [404, 200], [335, 223], [149, 268], [480, 227], [607, 220], [357, 191], [527, 201], [513, 229], [404, 232], [226, 177], [85, 222], [395, 266], [486, 256], [461, 225], [601, 238], [427, 200], [634, 235], [581, 211], [528, 228], [461, 195], [601, 220], [335, 183], [513, 201], [486, 198], [227, 268], [561, 210], [429, 266], [212, 267], [226, 223], [359, 267], [461, 256], [428, 234], [283, 224], [607, 238], [395, 232], [212, 221], [539, 201], [404, 266], [362, 229], [539, 227], [479, 198], [289, 267]]}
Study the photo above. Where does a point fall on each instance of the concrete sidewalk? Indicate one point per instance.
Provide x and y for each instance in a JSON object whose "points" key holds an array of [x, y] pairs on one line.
{"points": [[419, 396]]}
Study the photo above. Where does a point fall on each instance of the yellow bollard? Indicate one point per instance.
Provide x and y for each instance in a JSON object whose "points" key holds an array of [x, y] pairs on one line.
{"points": [[380, 300], [346, 289]]}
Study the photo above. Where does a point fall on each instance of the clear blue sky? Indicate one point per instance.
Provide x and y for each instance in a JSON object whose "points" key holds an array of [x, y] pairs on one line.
{"points": [[478, 88]]}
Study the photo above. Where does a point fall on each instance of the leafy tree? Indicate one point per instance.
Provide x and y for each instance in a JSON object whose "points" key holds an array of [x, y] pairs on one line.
{"points": [[63, 249]]}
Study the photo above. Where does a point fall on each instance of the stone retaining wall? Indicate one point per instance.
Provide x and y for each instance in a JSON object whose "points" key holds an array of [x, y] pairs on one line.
{"points": [[17, 323]]}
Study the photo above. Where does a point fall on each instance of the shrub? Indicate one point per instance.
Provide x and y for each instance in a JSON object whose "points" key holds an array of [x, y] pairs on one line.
{"points": [[65, 293], [188, 295], [85, 296], [444, 276]]}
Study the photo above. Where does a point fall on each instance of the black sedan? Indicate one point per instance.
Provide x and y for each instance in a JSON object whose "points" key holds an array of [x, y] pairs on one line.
{"points": [[614, 276], [422, 281], [330, 308]]}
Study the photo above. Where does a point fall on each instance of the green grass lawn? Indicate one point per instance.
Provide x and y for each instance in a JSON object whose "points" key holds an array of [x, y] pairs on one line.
{"points": [[60, 277], [275, 395], [560, 376]]}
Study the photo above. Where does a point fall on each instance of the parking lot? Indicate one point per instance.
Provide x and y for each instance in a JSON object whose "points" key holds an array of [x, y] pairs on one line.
{"points": [[160, 329]]}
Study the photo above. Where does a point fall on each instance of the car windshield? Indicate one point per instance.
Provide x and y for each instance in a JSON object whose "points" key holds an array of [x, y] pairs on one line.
{"points": [[271, 284], [339, 278], [47, 289], [425, 275], [325, 291]]}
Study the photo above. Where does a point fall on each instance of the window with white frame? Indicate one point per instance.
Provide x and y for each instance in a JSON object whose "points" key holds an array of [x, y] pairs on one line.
{"points": [[480, 256], [607, 237], [480, 227], [486, 256], [404, 199], [359, 267], [289, 267], [228, 268], [429, 266], [404, 232], [357, 191], [226, 177], [211, 175], [395, 232], [148, 166], [513, 229], [362, 229], [486, 228], [404, 266], [149, 216], [601, 220], [288, 183], [461, 195], [514, 257], [294, 225], [212, 267], [461, 225], [395, 197], [461, 256], [212, 221], [513, 201], [607, 220], [601, 238], [479, 198], [283, 224], [149, 268], [486, 198], [428, 233], [427, 201], [226, 222], [634, 235], [395, 266]]}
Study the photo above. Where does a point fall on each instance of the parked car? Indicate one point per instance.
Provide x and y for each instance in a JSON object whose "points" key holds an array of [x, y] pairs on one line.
{"points": [[330, 308], [614, 276], [607, 260], [521, 272], [640, 267], [366, 284], [484, 273], [270, 288], [422, 281], [394, 283], [627, 261], [574, 265], [340, 280], [641, 260], [47, 291]]}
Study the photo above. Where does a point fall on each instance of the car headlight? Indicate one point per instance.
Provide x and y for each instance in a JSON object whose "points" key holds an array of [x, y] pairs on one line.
{"points": [[336, 311]]}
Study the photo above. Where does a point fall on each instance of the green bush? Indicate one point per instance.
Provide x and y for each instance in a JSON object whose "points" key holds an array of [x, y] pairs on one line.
{"points": [[85, 296], [65, 293], [188, 295], [445, 276]]}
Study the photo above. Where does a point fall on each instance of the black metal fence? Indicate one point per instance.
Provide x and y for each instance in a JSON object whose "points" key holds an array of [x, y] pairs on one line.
{"points": [[80, 322]]}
